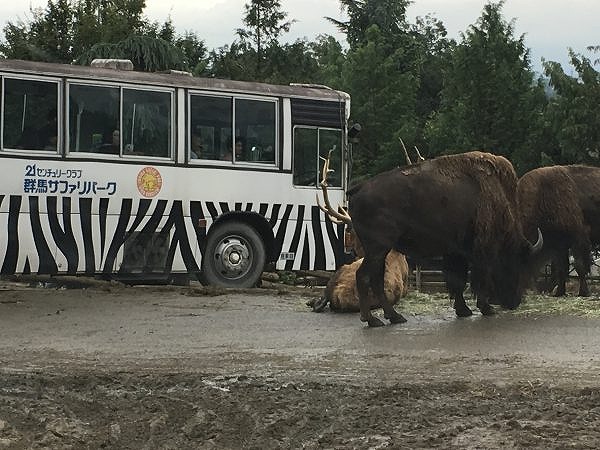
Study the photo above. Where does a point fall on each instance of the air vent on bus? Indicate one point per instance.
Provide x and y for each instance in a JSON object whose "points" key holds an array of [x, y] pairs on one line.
{"points": [[311, 85], [116, 64], [177, 72]]}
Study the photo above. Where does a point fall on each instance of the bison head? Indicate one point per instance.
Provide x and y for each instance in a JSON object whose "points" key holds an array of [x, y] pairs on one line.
{"points": [[514, 274]]}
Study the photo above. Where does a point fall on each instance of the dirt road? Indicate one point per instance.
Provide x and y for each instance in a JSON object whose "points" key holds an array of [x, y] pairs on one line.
{"points": [[189, 368]]}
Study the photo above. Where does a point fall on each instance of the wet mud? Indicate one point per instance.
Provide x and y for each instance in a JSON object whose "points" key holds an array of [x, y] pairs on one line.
{"points": [[151, 367]]}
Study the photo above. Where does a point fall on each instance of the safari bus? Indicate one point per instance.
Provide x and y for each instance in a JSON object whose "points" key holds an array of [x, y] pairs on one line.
{"points": [[110, 172]]}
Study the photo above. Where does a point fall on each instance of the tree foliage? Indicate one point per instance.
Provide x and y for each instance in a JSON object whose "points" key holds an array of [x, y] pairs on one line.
{"points": [[392, 72], [265, 22], [383, 88], [78, 31], [407, 80], [388, 15], [146, 53], [491, 100], [573, 115]]}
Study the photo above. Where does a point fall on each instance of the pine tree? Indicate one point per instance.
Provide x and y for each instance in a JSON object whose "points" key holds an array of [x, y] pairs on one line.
{"points": [[491, 100], [265, 22]]}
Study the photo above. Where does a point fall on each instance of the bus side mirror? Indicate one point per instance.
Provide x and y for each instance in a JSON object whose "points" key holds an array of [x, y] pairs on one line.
{"points": [[353, 132]]}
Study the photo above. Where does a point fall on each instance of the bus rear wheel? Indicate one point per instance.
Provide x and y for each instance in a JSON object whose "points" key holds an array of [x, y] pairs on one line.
{"points": [[235, 256]]}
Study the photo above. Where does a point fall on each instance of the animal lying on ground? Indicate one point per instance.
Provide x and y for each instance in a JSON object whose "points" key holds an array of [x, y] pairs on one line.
{"points": [[460, 207], [341, 292], [564, 202]]}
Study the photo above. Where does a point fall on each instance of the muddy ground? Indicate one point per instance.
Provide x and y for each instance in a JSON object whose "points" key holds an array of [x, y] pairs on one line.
{"points": [[190, 368]]}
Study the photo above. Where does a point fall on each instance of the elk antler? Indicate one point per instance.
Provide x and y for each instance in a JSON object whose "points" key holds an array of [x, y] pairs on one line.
{"points": [[419, 157], [406, 153], [341, 215]]}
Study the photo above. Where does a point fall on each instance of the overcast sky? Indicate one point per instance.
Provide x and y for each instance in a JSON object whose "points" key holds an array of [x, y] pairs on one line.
{"points": [[550, 26]]}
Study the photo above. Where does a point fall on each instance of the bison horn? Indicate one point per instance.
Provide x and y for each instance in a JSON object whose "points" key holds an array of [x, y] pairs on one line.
{"points": [[535, 248]]}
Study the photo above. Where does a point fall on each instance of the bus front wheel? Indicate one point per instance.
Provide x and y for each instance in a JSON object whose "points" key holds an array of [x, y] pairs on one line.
{"points": [[234, 257]]}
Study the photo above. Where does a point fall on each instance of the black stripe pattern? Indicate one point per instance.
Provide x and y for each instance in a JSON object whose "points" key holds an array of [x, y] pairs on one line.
{"points": [[81, 236]]}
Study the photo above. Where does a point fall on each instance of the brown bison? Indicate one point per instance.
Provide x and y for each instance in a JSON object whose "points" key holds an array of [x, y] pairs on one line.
{"points": [[460, 207], [342, 294], [564, 202]]}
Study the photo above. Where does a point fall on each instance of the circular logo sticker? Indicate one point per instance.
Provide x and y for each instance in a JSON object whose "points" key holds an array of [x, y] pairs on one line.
{"points": [[149, 181]]}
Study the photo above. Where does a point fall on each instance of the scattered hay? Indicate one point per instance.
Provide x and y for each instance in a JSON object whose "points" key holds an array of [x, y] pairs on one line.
{"points": [[567, 306], [419, 303]]}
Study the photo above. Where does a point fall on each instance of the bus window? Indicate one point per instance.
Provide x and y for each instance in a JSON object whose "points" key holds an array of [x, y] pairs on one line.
{"points": [[94, 119], [331, 140], [311, 147], [147, 123], [30, 115], [210, 124], [305, 158], [255, 127]]}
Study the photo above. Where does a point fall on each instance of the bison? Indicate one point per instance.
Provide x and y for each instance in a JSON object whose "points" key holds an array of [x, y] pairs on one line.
{"points": [[564, 202], [460, 207]]}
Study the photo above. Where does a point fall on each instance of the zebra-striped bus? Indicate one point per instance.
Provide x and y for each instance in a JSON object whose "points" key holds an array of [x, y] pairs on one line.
{"points": [[111, 172]]}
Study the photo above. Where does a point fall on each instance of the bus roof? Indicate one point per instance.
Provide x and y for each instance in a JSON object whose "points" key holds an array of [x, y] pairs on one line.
{"points": [[170, 80]]}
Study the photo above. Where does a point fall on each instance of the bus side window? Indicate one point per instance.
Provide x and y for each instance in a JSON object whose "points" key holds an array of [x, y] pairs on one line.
{"points": [[147, 123], [94, 119], [30, 115], [331, 140], [256, 121], [305, 156], [211, 123], [311, 147]]}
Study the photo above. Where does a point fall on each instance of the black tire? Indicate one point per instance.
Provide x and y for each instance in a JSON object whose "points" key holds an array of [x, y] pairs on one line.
{"points": [[235, 256]]}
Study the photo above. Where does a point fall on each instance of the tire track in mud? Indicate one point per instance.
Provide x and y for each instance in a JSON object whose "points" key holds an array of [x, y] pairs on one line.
{"points": [[147, 368], [168, 410]]}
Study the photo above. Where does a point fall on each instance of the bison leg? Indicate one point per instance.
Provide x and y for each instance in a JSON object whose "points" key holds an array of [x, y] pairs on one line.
{"points": [[455, 270], [389, 312], [561, 269], [377, 286], [485, 308], [583, 262], [584, 291], [483, 296], [365, 273], [553, 283]]}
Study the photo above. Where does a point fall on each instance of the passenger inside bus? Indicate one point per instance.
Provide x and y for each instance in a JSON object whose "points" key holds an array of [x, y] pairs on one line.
{"points": [[49, 132], [112, 143], [196, 146], [142, 147], [239, 151]]}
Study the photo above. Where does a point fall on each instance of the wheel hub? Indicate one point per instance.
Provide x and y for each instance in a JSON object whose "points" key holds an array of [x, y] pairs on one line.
{"points": [[233, 257]]}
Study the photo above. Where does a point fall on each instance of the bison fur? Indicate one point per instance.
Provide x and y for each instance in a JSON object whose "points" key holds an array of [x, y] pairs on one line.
{"points": [[461, 207], [564, 202]]}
